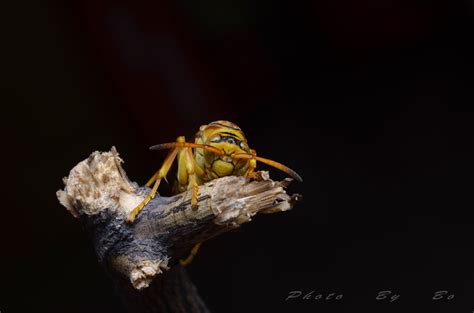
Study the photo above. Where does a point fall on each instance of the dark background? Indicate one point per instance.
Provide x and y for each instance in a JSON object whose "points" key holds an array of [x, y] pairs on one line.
{"points": [[370, 101]]}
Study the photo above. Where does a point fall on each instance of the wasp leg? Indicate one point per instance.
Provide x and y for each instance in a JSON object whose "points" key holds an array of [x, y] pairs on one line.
{"points": [[157, 179], [151, 180], [252, 166], [190, 169], [191, 255]]}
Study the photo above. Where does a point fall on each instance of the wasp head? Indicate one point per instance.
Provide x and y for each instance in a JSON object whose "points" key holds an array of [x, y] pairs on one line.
{"points": [[229, 138]]}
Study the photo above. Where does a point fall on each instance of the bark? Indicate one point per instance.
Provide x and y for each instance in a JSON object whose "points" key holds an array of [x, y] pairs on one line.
{"points": [[142, 258]]}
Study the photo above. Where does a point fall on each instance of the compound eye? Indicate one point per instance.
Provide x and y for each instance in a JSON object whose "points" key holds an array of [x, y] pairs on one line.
{"points": [[242, 145], [216, 139]]}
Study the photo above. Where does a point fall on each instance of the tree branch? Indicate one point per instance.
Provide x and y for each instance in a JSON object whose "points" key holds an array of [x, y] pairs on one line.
{"points": [[142, 258]]}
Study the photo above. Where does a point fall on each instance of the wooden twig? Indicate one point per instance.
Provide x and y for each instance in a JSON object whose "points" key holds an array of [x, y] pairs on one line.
{"points": [[142, 258]]}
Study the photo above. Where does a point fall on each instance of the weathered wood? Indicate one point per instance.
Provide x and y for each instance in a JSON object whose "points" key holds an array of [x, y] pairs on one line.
{"points": [[142, 258]]}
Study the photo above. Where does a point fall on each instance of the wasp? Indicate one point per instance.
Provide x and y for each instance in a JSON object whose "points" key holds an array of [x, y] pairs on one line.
{"points": [[219, 149]]}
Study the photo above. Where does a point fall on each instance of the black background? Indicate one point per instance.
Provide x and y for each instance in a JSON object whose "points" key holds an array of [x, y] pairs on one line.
{"points": [[368, 100]]}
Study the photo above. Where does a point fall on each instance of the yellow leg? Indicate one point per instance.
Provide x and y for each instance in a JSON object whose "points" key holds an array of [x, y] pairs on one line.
{"points": [[191, 166], [138, 208], [151, 180], [190, 169], [157, 179], [195, 192], [149, 183], [252, 166], [191, 255]]}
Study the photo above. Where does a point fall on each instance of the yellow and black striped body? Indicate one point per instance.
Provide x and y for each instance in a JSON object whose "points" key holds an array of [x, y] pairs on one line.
{"points": [[225, 136], [219, 149]]}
